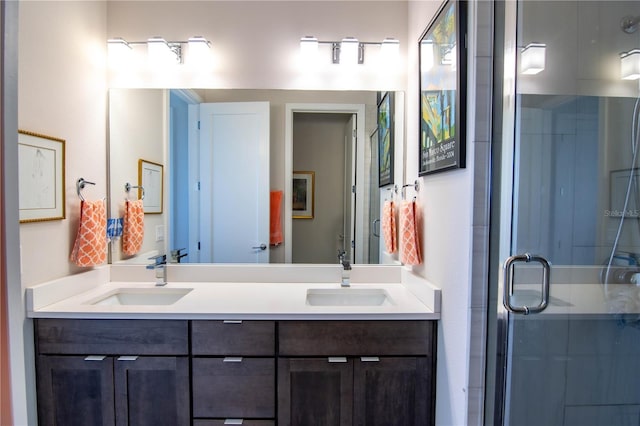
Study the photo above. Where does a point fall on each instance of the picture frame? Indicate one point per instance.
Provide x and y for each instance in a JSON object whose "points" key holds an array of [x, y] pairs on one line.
{"points": [[302, 204], [41, 177], [442, 57], [151, 179], [385, 138], [618, 182]]}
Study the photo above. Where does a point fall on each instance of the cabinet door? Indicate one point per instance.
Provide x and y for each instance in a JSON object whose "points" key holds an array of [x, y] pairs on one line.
{"points": [[392, 392], [152, 391], [75, 391], [314, 392]]}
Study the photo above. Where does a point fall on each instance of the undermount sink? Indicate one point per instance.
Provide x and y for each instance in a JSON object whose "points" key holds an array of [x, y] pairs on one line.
{"points": [[347, 297], [142, 296]]}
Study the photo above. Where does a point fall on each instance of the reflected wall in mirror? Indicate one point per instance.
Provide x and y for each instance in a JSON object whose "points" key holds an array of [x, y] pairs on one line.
{"points": [[162, 126]]}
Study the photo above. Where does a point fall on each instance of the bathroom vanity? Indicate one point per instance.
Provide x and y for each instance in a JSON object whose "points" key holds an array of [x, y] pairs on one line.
{"points": [[361, 361]]}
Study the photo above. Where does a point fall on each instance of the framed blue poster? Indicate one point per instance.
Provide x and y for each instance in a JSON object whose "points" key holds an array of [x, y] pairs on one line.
{"points": [[385, 138], [443, 76]]}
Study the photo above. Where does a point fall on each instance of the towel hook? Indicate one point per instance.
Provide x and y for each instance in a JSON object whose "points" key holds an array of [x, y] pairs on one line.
{"points": [[80, 184], [416, 187], [128, 187]]}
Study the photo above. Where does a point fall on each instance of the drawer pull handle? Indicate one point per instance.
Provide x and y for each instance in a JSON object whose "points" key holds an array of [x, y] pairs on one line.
{"points": [[337, 359], [233, 421], [232, 359], [369, 359], [95, 358], [128, 358], [232, 322]]}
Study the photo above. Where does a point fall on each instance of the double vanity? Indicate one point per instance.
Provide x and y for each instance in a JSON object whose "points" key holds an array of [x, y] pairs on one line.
{"points": [[221, 344]]}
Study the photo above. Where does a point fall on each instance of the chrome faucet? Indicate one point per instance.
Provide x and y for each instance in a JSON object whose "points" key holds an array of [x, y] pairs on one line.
{"points": [[346, 269], [160, 266], [177, 254]]}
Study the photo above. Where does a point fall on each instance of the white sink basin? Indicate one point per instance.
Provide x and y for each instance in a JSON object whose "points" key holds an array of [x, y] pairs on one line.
{"points": [[347, 297], [141, 296]]}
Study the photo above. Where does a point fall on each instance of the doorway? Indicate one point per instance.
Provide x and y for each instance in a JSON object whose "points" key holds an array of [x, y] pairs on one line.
{"points": [[323, 147], [356, 110]]}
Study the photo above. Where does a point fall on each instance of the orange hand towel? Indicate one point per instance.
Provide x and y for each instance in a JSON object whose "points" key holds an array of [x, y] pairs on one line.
{"points": [[133, 227], [275, 222], [409, 234], [90, 247], [389, 226]]}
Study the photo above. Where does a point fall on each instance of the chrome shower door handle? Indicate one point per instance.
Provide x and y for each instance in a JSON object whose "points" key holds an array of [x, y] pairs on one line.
{"points": [[376, 228], [508, 290]]}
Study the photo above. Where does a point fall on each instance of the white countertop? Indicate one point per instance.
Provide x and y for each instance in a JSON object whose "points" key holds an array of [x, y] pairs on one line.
{"points": [[408, 296]]}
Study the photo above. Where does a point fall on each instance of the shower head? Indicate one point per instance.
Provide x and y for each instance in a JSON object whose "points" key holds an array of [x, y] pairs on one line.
{"points": [[629, 24]]}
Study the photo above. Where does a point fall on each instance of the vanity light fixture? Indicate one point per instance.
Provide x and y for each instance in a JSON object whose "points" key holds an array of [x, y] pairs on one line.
{"points": [[390, 48], [199, 51], [630, 65], [349, 50], [119, 51], [160, 52], [308, 46], [532, 58]]}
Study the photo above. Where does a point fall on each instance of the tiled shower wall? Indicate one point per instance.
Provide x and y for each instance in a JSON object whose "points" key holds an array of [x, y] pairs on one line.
{"points": [[481, 64]]}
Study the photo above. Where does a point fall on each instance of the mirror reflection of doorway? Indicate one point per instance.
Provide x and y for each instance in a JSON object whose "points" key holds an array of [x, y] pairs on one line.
{"points": [[323, 143]]}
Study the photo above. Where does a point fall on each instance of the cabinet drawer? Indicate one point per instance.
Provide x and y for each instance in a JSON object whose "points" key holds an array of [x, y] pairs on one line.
{"points": [[245, 422], [225, 388], [329, 338], [242, 338], [112, 337]]}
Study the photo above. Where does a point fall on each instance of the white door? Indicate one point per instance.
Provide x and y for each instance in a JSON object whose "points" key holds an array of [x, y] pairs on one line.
{"points": [[234, 179]]}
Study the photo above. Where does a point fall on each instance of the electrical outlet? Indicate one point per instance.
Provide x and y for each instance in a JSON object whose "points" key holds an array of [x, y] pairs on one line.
{"points": [[159, 232]]}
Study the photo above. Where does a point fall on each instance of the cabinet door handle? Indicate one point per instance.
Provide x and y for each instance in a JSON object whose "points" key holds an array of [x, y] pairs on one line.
{"points": [[232, 359], [128, 358], [369, 359], [95, 358], [233, 421], [337, 359], [232, 322]]}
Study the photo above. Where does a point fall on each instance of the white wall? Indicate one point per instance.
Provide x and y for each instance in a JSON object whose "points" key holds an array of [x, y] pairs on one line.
{"points": [[446, 202], [61, 93]]}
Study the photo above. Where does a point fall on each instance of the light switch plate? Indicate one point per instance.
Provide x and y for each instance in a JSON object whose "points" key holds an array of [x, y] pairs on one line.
{"points": [[159, 232]]}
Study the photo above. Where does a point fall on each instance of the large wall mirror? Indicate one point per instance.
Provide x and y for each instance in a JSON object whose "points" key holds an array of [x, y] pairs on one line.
{"points": [[222, 162]]}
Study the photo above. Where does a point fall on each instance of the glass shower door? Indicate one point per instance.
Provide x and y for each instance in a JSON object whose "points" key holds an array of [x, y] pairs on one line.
{"points": [[567, 269]]}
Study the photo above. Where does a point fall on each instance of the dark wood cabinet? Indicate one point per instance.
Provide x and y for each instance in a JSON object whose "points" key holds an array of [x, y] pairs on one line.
{"points": [[78, 386], [152, 391], [392, 391], [254, 373], [315, 392], [233, 371], [234, 387], [383, 377], [75, 391]]}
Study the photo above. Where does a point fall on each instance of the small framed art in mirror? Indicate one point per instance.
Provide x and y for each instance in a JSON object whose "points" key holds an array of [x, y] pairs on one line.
{"points": [[303, 188], [151, 179]]}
